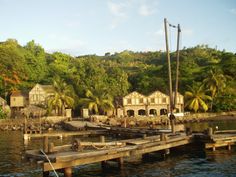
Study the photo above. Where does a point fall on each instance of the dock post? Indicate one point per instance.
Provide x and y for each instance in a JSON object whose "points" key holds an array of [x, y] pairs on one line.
{"points": [[120, 162], [163, 137], [68, 172], [213, 148], [51, 147], [45, 144], [46, 174], [102, 139], [144, 136], [229, 146], [104, 165], [26, 139], [210, 131]]}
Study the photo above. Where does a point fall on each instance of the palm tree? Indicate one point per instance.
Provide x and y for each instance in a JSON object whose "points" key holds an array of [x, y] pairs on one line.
{"points": [[196, 98], [97, 102], [62, 97], [215, 82]]}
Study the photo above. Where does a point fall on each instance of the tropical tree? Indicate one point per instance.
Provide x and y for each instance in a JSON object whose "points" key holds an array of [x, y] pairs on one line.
{"points": [[215, 82], [62, 97], [97, 102], [196, 98]]}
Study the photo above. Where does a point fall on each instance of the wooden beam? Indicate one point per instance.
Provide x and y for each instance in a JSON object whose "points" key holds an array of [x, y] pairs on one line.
{"points": [[82, 161]]}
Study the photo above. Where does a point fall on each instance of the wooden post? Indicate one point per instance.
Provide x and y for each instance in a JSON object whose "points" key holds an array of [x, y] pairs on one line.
{"points": [[229, 146], [51, 147], [144, 136], [213, 148], [102, 139], [163, 137], [45, 144], [177, 67], [104, 164], [120, 163], [170, 79], [46, 174], [68, 172], [209, 131]]}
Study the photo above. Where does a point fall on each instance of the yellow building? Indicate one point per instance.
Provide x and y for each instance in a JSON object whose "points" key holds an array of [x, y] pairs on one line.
{"points": [[157, 103], [18, 100], [39, 94]]}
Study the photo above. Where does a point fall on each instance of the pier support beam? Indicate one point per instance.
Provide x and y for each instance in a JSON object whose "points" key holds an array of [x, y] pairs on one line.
{"points": [[120, 163], [229, 146], [104, 165], [46, 174], [68, 172], [45, 144]]}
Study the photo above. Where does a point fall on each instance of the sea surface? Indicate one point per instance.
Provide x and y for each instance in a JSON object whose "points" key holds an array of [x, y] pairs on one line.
{"points": [[182, 162]]}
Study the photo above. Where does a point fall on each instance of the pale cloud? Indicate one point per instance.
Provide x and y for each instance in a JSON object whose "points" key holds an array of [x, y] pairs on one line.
{"points": [[118, 11], [233, 11], [159, 32], [187, 32], [146, 10]]}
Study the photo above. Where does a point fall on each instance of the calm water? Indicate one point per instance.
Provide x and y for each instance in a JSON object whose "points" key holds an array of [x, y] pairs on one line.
{"points": [[184, 161]]}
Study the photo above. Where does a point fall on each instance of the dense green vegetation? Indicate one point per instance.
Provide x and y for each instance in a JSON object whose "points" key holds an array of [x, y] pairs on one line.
{"points": [[98, 80]]}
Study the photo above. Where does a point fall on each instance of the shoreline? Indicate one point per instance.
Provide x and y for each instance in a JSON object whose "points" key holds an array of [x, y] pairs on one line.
{"points": [[56, 123]]}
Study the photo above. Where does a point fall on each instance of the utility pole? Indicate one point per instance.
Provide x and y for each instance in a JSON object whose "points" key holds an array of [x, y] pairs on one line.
{"points": [[171, 116], [177, 67]]}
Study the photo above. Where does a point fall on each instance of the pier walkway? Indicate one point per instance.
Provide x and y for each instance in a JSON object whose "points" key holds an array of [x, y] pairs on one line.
{"points": [[77, 153]]}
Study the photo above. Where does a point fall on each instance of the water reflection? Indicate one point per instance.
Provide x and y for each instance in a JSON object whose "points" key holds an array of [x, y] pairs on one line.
{"points": [[182, 161]]}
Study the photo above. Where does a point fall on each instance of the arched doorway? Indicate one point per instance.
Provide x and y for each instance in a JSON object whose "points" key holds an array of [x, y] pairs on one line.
{"points": [[141, 112], [153, 112], [163, 111], [130, 112], [177, 110]]}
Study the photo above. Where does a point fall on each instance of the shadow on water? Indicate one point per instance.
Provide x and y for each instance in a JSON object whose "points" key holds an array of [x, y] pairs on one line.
{"points": [[191, 160]]}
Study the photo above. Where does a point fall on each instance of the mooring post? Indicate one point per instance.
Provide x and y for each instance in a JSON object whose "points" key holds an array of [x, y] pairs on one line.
{"points": [[102, 139], [213, 148], [229, 146], [68, 172], [163, 137], [103, 163], [144, 136], [51, 147], [46, 174], [45, 144], [120, 162], [210, 131]]}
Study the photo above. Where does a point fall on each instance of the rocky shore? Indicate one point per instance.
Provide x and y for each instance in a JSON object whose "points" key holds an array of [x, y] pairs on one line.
{"points": [[57, 123], [45, 123], [144, 121]]}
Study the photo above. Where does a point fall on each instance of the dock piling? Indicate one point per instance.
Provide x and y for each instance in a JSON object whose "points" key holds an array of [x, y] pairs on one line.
{"points": [[68, 172], [45, 144]]}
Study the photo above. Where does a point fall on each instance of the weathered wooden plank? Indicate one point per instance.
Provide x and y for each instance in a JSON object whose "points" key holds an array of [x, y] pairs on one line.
{"points": [[70, 156], [160, 147], [85, 160], [65, 134], [218, 144]]}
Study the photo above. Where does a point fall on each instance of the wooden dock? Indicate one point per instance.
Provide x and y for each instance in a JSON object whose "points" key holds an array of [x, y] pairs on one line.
{"points": [[64, 157], [225, 138]]}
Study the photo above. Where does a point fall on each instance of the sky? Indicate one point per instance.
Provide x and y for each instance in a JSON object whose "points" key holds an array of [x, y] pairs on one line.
{"points": [[80, 27]]}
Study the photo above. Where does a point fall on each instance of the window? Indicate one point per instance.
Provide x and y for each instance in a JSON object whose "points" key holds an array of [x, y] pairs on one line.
{"points": [[152, 100], [141, 100], [163, 100], [129, 101]]}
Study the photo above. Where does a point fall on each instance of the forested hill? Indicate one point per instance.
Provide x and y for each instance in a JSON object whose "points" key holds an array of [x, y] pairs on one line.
{"points": [[115, 74]]}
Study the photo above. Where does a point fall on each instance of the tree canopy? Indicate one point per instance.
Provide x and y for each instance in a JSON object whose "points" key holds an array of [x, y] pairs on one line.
{"points": [[119, 73]]}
